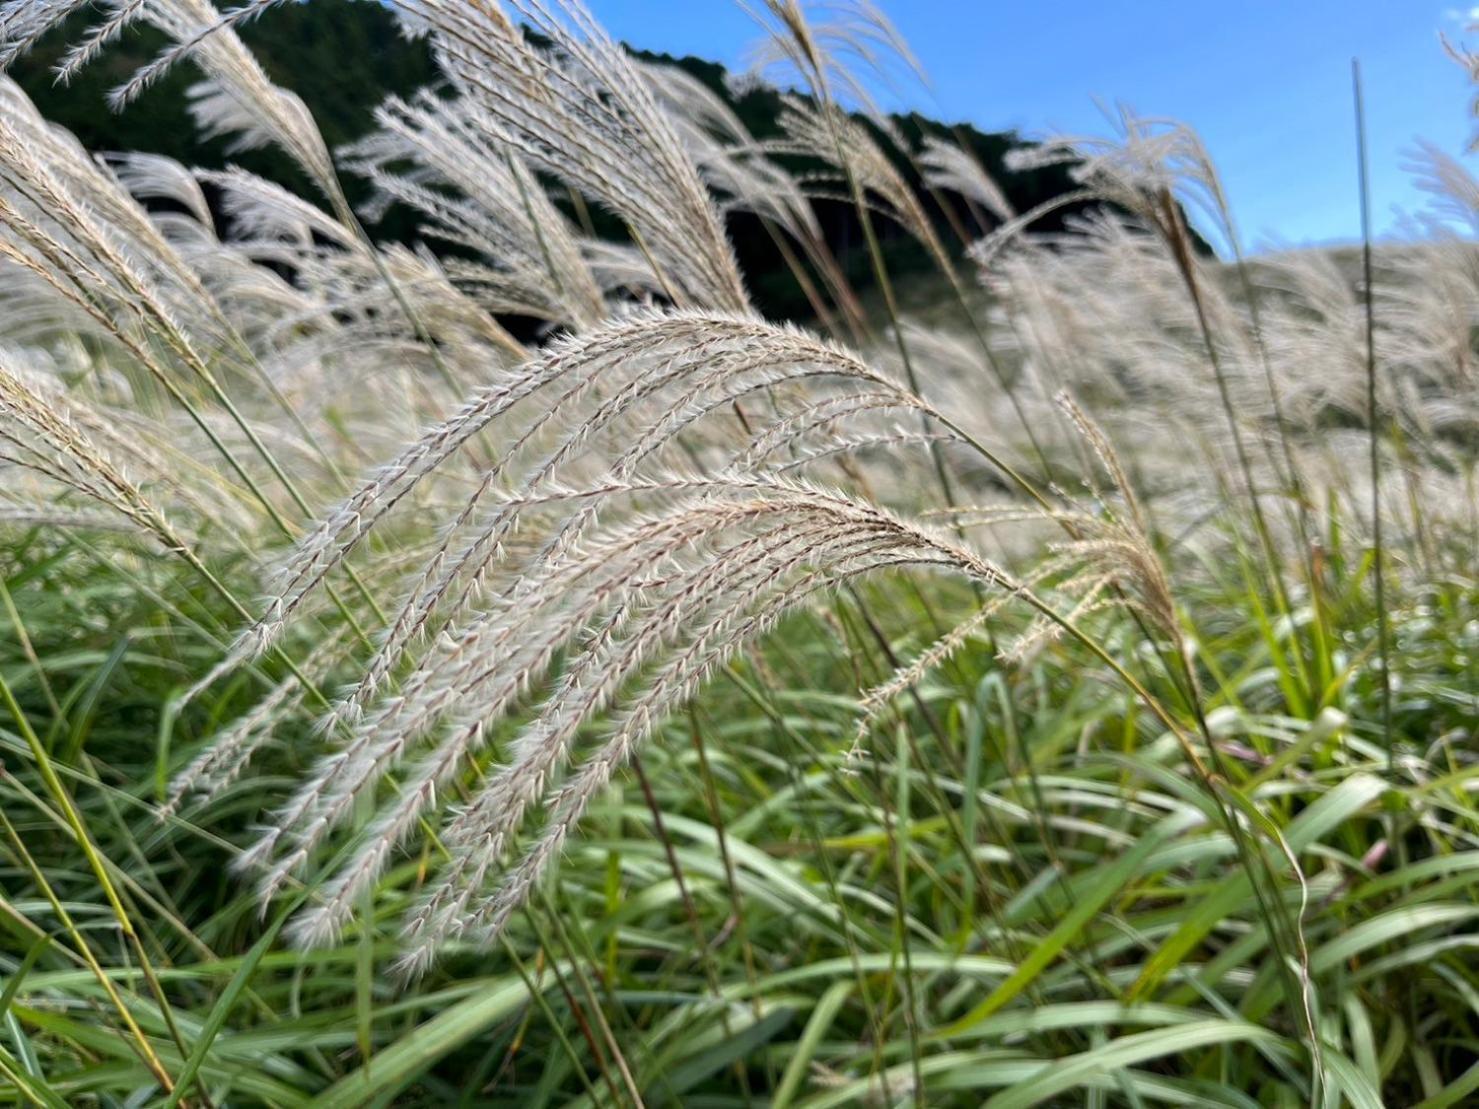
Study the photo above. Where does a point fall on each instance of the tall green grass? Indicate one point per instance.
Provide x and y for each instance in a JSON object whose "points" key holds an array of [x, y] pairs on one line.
{"points": [[999, 885]]}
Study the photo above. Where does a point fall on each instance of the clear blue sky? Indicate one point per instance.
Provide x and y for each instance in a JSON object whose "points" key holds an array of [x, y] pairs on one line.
{"points": [[1266, 82]]}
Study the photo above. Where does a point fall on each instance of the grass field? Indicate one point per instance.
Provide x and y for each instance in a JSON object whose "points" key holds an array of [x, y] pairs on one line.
{"points": [[1062, 694]]}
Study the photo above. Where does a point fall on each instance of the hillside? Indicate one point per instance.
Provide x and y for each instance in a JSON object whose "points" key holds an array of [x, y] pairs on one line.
{"points": [[343, 57]]}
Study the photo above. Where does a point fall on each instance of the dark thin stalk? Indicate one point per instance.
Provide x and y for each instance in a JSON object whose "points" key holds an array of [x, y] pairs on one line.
{"points": [[700, 941], [901, 933], [1372, 415], [1173, 227]]}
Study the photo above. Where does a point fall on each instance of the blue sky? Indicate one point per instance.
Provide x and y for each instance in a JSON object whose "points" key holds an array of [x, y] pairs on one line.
{"points": [[1266, 82]]}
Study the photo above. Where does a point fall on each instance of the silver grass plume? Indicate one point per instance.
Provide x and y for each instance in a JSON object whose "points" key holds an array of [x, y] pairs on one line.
{"points": [[649, 348], [230, 750], [582, 112], [236, 99], [723, 545], [1148, 164], [71, 202], [729, 158], [713, 361], [1454, 189], [823, 131], [833, 47], [710, 360], [24, 22], [478, 195], [947, 166], [39, 432]]}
